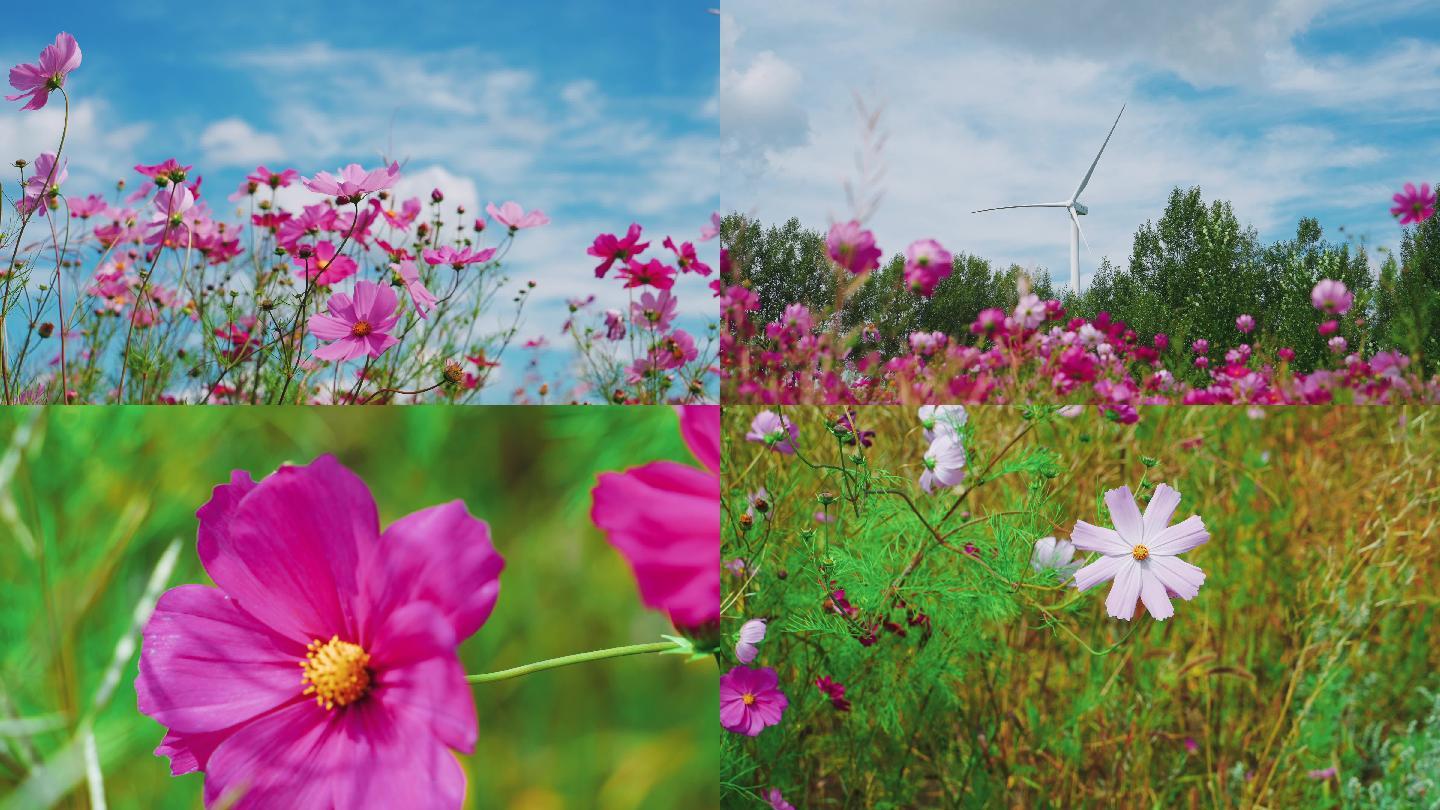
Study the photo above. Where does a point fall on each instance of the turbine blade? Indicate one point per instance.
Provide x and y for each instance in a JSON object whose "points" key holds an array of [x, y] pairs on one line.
{"points": [[1030, 205], [1086, 181], [1075, 219]]}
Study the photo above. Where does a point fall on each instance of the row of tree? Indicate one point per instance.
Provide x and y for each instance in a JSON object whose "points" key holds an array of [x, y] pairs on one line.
{"points": [[1190, 275]]}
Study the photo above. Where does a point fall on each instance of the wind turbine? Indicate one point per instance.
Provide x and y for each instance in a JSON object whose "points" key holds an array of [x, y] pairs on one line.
{"points": [[1074, 208]]}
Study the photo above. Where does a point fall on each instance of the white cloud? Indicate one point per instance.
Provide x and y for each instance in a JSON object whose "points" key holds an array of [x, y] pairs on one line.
{"points": [[760, 101], [99, 147], [233, 142], [985, 105]]}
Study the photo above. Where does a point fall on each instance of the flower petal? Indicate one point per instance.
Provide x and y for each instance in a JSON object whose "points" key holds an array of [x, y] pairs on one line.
{"points": [[280, 760], [189, 751], [1159, 511], [1125, 515], [1102, 570], [700, 426], [664, 518], [1098, 538], [419, 675], [1180, 538], [1152, 593], [290, 549], [206, 665], [391, 760], [1124, 593], [1177, 575], [442, 555]]}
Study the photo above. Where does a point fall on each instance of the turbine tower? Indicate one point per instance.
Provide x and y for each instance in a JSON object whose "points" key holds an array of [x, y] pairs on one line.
{"points": [[1074, 208]]}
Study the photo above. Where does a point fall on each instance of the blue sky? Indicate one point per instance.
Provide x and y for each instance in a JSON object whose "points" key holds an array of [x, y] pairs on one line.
{"points": [[1287, 108], [600, 114]]}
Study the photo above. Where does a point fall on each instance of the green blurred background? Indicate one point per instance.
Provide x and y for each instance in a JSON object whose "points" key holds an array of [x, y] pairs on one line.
{"points": [[90, 502]]}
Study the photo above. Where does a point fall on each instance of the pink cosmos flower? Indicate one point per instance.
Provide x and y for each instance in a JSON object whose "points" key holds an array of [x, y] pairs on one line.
{"points": [[852, 247], [926, 265], [1245, 323], [664, 518], [1140, 554], [777, 801], [751, 634], [327, 267], [1337, 344], [653, 273], [422, 298], [93, 205], [163, 173], [673, 350], [458, 258], [774, 431], [614, 324], [512, 216], [1030, 311], [354, 182], [614, 249], [38, 80], [653, 312], [751, 700], [712, 230], [46, 180], [321, 671], [265, 177], [357, 327], [1332, 296], [1057, 555], [687, 259], [1412, 205], [402, 219], [1327, 328]]}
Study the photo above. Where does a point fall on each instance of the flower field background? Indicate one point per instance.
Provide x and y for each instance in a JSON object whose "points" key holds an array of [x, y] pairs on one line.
{"points": [[92, 501], [920, 650]]}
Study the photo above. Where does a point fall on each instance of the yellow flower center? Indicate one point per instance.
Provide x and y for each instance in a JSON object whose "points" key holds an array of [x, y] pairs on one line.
{"points": [[337, 672], [360, 329], [748, 698], [1140, 552]]}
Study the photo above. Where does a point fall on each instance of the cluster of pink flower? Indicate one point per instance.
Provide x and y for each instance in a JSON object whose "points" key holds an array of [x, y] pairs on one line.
{"points": [[178, 296], [640, 354], [1033, 353], [304, 575]]}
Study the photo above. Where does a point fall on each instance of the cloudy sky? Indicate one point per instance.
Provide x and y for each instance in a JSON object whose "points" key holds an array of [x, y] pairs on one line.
{"points": [[1287, 108], [598, 114]]}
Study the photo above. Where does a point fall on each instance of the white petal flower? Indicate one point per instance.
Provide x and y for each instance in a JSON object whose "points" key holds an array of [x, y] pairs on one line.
{"points": [[1139, 554]]}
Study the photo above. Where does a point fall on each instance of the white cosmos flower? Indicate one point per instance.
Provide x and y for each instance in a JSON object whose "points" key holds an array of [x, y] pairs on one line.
{"points": [[1139, 554], [1055, 554], [942, 418]]}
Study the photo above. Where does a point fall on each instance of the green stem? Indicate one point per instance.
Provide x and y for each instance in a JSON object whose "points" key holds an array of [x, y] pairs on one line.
{"points": [[577, 658]]}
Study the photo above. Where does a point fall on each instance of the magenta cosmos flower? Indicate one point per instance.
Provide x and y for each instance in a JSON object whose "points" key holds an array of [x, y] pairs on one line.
{"points": [[357, 327], [354, 182], [38, 80], [751, 700], [1140, 554], [422, 298], [927, 263], [664, 518], [321, 671], [611, 249], [751, 634], [46, 180], [1412, 205], [852, 247]]}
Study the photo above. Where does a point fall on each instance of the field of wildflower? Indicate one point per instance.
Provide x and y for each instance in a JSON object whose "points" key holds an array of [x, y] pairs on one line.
{"points": [[1216, 607], [202, 591], [833, 322], [156, 291]]}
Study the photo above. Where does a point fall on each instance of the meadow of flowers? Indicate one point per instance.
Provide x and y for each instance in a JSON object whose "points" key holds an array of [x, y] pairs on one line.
{"points": [[1040, 607], [149, 294], [511, 611], [1037, 352]]}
